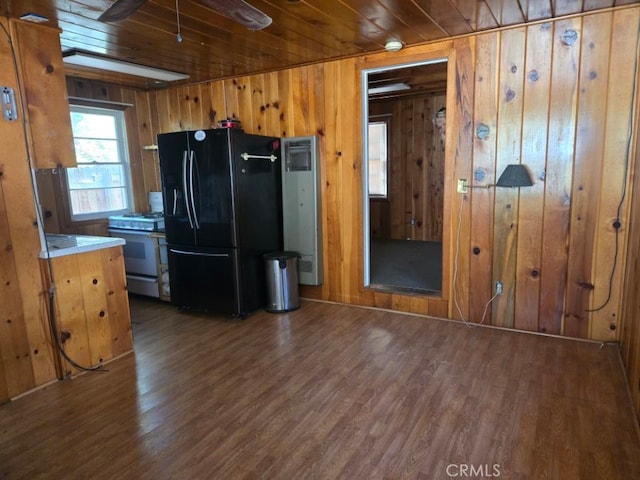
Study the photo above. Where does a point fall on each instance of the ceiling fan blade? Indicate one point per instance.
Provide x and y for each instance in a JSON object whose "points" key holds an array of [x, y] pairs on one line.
{"points": [[120, 10], [240, 11]]}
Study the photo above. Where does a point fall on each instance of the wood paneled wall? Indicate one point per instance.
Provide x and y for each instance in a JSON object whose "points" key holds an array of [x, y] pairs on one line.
{"points": [[26, 355], [145, 174], [414, 205], [630, 321], [555, 96], [28, 358]]}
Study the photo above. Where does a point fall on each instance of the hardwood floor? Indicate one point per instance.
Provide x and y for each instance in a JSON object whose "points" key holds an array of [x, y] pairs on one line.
{"points": [[328, 391]]}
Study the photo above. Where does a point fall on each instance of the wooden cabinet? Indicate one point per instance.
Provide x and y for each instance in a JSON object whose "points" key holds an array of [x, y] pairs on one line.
{"points": [[44, 89], [91, 307]]}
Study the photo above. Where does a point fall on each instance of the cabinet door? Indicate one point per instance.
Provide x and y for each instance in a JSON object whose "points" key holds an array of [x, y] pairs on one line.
{"points": [[45, 92]]}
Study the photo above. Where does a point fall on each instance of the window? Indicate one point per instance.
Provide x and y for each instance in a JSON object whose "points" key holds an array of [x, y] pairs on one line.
{"points": [[378, 154], [100, 185]]}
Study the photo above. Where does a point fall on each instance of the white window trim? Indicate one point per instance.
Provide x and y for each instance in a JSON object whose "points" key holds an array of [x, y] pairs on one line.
{"points": [[123, 152], [385, 119]]}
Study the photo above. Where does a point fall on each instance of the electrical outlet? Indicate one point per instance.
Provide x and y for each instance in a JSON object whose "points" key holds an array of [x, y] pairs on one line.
{"points": [[462, 185], [499, 287]]}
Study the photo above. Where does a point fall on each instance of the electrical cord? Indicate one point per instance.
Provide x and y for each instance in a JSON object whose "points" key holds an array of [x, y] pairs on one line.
{"points": [[455, 276], [617, 224], [52, 288]]}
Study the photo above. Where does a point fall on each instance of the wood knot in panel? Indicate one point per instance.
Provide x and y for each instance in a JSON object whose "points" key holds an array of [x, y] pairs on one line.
{"points": [[569, 37], [511, 94], [482, 131]]}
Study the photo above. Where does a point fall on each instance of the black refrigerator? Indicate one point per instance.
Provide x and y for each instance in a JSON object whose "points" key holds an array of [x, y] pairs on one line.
{"points": [[223, 211]]}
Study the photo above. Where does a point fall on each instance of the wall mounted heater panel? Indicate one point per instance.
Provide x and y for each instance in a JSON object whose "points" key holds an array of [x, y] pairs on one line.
{"points": [[301, 206]]}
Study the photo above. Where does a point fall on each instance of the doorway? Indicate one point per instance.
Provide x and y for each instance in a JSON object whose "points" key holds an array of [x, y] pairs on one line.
{"points": [[404, 162]]}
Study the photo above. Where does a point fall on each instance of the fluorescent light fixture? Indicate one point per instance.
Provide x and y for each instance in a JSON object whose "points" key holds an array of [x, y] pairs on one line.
{"points": [[390, 87], [90, 60]]}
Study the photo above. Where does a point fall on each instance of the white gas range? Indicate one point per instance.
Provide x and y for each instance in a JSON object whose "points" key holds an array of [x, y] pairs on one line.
{"points": [[145, 252], [153, 221]]}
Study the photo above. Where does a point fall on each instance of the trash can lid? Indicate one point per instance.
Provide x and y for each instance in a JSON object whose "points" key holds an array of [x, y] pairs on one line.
{"points": [[280, 255]]}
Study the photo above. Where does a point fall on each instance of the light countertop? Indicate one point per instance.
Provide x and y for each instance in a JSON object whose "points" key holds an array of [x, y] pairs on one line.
{"points": [[61, 245]]}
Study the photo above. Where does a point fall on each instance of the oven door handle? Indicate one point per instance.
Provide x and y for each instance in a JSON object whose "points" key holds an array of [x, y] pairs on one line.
{"points": [[137, 233], [185, 187]]}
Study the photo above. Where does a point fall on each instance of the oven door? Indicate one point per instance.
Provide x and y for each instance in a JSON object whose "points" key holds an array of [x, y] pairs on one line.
{"points": [[139, 251]]}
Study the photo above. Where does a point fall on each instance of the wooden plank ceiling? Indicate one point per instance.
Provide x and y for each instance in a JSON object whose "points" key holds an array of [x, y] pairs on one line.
{"points": [[302, 32]]}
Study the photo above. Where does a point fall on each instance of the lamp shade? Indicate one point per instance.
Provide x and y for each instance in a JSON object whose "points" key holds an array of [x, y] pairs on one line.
{"points": [[515, 175]]}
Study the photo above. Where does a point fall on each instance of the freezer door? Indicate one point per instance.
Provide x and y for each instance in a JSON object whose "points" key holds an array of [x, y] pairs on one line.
{"points": [[205, 280]]}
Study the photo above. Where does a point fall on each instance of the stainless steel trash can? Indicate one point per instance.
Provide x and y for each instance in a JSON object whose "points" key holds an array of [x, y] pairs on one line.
{"points": [[282, 281]]}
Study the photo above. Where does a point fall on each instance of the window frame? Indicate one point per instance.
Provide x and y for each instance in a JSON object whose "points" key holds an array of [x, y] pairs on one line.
{"points": [[380, 119], [123, 154]]}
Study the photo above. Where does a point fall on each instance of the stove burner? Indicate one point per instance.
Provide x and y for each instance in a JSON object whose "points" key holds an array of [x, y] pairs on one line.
{"points": [[148, 221]]}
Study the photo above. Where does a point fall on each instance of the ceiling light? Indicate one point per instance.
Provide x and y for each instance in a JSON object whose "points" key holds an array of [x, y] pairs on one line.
{"points": [[90, 60], [390, 87], [393, 46]]}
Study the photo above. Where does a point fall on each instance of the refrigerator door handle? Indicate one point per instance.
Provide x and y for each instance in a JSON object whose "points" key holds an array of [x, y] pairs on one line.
{"points": [[198, 254], [175, 201], [185, 187], [192, 160]]}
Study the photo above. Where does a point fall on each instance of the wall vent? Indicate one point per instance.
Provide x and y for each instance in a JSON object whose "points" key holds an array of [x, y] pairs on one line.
{"points": [[301, 207]]}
